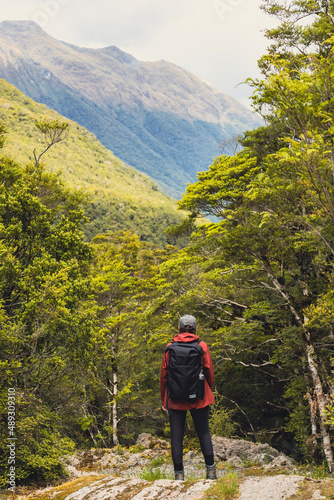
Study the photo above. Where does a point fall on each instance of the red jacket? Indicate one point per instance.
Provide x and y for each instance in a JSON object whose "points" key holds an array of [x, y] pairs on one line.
{"points": [[208, 371]]}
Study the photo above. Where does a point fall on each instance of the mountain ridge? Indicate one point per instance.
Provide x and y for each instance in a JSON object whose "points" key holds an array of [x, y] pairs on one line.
{"points": [[155, 116], [110, 51], [122, 198]]}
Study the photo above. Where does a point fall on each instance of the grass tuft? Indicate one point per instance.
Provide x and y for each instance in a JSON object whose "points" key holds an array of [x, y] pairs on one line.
{"points": [[153, 474], [226, 488]]}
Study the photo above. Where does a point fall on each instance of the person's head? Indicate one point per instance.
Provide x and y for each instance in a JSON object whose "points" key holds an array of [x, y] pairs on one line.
{"points": [[187, 324]]}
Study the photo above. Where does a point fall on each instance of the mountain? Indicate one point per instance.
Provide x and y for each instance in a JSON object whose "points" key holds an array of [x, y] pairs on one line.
{"points": [[155, 116], [121, 197]]}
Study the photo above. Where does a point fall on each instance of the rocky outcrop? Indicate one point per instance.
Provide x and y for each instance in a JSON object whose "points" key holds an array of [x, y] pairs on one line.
{"points": [[117, 474], [155, 116], [148, 441], [152, 450], [138, 489], [240, 452]]}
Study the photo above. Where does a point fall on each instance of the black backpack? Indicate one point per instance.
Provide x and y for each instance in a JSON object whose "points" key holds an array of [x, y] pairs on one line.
{"points": [[185, 379]]}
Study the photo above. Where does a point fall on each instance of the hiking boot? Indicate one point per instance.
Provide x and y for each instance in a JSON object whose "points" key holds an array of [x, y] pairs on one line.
{"points": [[179, 475], [211, 472]]}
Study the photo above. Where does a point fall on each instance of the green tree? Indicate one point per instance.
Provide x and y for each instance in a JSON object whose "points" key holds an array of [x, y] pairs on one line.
{"points": [[275, 199], [123, 358], [52, 132], [45, 312], [2, 133]]}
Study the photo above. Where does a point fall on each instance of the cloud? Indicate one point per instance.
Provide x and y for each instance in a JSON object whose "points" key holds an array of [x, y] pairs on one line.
{"points": [[102, 22], [221, 46], [17, 9]]}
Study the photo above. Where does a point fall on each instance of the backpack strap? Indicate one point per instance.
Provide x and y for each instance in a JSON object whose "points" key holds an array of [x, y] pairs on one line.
{"points": [[193, 343]]}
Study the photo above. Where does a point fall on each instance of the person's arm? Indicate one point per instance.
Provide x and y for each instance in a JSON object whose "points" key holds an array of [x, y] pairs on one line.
{"points": [[163, 379], [208, 366]]}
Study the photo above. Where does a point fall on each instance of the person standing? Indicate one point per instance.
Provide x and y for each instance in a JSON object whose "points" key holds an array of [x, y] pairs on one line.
{"points": [[198, 407]]}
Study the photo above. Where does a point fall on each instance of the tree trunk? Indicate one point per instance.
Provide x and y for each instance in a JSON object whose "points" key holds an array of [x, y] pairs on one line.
{"points": [[321, 402], [85, 414], [114, 409], [318, 386], [313, 417]]}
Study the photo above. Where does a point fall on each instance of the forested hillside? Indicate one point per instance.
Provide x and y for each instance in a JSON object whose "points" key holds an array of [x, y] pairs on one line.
{"points": [[83, 325], [118, 196]]}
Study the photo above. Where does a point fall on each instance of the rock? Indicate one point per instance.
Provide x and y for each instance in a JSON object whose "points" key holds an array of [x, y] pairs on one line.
{"points": [[281, 461], [317, 496], [236, 461], [269, 488], [106, 489], [197, 490], [149, 441], [139, 489], [190, 455], [74, 472], [160, 489], [241, 452]]}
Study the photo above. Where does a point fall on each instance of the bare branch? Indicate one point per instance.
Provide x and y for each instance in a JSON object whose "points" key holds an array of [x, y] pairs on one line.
{"points": [[52, 132], [242, 411], [249, 365]]}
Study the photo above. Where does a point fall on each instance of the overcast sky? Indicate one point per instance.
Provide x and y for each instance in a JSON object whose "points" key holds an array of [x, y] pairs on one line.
{"points": [[219, 41]]}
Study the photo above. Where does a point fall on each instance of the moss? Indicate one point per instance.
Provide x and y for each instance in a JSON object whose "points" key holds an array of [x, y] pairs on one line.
{"points": [[309, 486], [136, 448], [262, 471], [62, 491], [128, 495]]}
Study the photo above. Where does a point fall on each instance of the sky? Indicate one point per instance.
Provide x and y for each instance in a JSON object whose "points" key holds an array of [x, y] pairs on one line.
{"points": [[219, 41]]}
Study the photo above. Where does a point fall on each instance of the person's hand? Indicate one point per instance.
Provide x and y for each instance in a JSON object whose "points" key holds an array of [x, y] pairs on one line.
{"points": [[164, 408]]}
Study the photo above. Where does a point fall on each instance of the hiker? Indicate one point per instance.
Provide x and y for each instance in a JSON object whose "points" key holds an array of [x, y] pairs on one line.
{"points": [[181, 390]]}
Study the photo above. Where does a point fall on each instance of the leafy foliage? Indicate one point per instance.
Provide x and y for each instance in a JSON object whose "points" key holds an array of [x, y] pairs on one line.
{"points": [[2, 132], [44, 278]]}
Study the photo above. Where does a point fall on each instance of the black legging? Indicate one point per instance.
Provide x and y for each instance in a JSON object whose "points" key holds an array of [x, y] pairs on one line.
{"points": [[177, 419]]}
